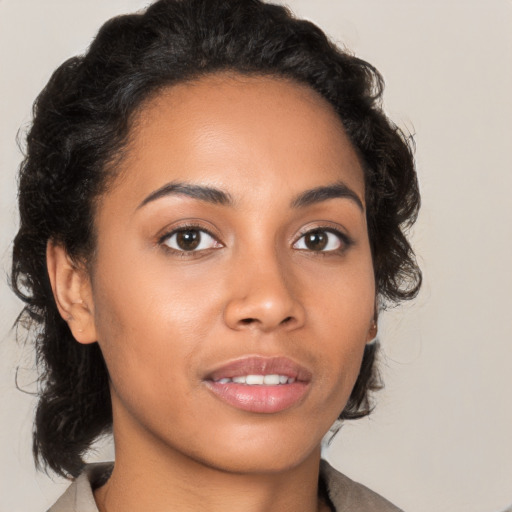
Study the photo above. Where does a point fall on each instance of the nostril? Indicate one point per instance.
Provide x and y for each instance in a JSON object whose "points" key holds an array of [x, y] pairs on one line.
{"points": [[248, 321]]}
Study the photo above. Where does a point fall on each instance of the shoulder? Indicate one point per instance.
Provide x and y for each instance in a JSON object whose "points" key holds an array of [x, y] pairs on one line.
{"points": [[79, 495], [350, 496]]}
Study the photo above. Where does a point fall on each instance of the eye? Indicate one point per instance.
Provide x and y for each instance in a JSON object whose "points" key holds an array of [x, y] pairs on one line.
{"points": [[190, 239], [321, 240]]}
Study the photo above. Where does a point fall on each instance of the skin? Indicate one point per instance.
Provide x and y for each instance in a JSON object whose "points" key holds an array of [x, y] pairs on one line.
{"points": [[165, 318]]}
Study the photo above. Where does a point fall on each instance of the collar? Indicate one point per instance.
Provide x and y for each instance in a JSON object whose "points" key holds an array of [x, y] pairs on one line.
{"points": [[345, 494]]}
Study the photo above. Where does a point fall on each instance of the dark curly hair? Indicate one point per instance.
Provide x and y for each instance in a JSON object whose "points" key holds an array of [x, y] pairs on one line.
{"points": [[81, 124]]}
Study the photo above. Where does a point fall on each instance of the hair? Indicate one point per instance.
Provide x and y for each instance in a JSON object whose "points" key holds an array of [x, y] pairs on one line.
{"points": [[81, 124]]}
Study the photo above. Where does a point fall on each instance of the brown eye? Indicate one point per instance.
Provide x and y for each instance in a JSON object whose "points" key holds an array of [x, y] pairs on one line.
{"points": [[321, 240], [316, 240], [190, 239]]}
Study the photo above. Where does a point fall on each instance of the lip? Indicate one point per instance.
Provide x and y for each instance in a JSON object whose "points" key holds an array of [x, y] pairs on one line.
{"points": [[260, 398]]}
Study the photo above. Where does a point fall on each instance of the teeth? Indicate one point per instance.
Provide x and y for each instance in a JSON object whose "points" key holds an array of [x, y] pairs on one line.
{"points": [[259, 380], [271, 380], [254, 379]]}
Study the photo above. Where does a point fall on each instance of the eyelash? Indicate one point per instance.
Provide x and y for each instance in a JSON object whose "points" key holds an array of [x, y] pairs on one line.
{"points": [[345, 241]]}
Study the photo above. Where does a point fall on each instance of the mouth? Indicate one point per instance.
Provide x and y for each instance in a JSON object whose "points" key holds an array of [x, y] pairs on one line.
{"points": [[259, 380], [260, 384]]}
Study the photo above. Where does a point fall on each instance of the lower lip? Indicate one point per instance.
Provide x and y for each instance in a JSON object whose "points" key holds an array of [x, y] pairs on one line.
{"points": [[260, 399]]}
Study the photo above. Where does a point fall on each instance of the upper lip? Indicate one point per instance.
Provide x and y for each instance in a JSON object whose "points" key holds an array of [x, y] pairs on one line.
{"points": [[259, 365]]}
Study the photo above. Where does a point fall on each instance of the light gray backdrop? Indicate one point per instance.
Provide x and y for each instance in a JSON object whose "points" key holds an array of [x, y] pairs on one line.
{"points": [[440, 439]]}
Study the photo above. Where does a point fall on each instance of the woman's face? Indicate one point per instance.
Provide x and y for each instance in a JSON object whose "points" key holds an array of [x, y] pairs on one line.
{"points": [[233, 244]]}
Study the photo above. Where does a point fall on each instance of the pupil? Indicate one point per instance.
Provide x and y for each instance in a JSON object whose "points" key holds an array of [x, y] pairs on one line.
{"points": [[188, 240], [316, 241]]}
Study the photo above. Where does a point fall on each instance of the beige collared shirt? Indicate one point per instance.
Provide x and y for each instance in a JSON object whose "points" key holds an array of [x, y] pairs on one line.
{"points": [[345, 494]]}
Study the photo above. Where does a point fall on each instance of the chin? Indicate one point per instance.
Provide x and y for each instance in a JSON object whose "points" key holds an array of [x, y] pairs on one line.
{"points": [[244, 463], [263, 453]]}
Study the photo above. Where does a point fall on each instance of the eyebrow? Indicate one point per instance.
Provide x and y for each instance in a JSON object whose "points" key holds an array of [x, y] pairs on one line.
{"points": [[319, 194], [201, 192], [216, 196]]}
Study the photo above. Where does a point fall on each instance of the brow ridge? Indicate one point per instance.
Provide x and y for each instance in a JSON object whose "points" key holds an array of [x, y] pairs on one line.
{"points": [[202, 192], [216, 196], [324, 193]]}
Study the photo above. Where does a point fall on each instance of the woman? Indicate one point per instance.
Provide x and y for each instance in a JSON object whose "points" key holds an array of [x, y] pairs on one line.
{"points": [[213, 208]]}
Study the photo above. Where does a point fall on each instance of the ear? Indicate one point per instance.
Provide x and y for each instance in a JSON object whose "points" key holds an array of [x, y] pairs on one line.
{"points": [[72, 292], [372, 330]]}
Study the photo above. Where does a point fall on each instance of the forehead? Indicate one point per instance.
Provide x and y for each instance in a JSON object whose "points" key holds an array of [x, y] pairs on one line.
{"points": [[237, 131]]}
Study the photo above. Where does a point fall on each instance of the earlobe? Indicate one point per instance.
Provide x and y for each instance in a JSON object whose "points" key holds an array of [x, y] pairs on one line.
{"points": [[373, 328], [72, 293], [372, 331]]}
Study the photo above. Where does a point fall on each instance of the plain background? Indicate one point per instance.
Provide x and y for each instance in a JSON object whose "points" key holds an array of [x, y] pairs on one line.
{"points": [[440, 438]]}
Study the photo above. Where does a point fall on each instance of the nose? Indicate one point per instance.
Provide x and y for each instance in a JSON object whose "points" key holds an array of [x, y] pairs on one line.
{"points": [[262, 297]]}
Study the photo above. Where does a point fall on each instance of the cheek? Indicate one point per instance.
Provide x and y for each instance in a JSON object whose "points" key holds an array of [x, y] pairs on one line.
{"points": [[149, 335], [149, 322], [341, 314], [342, 299], [139, 292]]}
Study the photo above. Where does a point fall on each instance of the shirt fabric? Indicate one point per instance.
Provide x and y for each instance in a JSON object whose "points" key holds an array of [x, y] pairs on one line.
{"points": [[344, 494]]}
